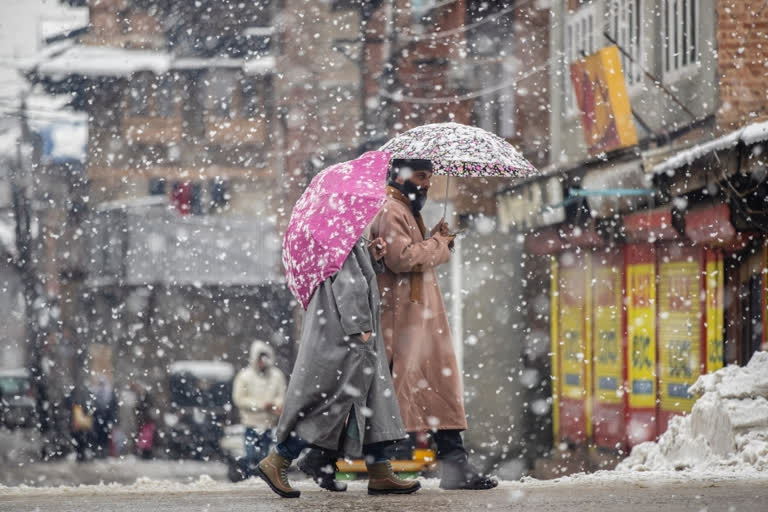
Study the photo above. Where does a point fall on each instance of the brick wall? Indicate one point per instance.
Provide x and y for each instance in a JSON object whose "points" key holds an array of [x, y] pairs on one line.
{"points": [[742, 40]]}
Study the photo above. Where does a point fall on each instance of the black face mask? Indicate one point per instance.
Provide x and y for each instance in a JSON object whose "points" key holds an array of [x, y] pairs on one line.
{"points": [[417, 196]]}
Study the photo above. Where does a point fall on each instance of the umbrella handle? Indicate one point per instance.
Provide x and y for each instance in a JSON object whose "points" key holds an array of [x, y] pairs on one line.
{"points": [[445, 201]]}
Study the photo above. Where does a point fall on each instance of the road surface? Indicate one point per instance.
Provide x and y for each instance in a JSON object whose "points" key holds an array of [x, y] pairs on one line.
{"points": [[647, 494]]}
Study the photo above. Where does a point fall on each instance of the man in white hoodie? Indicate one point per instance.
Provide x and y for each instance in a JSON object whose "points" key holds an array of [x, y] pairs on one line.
{"points": [[259, 392]]}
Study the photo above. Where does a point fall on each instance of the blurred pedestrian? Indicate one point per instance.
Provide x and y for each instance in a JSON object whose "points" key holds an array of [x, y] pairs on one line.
{"points": [[104, 415], [146, 424], [258, 392], [81, 421], [415, 326], [340, 394]]}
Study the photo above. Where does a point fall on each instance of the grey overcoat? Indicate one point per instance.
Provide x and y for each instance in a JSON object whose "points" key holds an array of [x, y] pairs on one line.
{"points": [[337, 376]]}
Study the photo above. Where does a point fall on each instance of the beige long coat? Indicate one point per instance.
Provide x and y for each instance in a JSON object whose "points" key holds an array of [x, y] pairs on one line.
{"points": [[417, 336]]}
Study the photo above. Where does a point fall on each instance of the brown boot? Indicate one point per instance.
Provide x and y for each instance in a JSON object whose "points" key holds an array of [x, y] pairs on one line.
{"points": [[273, 470], [382, 480]]}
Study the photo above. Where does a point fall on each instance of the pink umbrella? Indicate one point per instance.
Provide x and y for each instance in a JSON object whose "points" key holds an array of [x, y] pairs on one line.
{"points": [[329, 218]]}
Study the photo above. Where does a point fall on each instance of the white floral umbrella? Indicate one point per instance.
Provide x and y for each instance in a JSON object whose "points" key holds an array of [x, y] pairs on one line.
{"points": [[461, 150]]}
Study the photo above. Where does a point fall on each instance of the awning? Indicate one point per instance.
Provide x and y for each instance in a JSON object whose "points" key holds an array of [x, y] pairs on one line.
{"points": [[650, 226], [610, 188], [535, 204], [710, 225], [96, 61], [749, 134], [103, 61], [546, 241]]}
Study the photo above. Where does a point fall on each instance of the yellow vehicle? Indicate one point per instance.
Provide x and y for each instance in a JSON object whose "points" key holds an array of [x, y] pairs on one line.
{"points": [[423, 461]]}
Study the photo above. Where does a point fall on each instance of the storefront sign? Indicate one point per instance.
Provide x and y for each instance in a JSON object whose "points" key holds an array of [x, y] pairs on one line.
{"points": [[606, 115], [641, 334], [679, 332], [533, 205], [715, 288], [609, 356], [574, 331], [573, 348], [554, 319]]}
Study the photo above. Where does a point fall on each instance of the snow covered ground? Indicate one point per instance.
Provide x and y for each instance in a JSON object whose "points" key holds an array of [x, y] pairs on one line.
{"points": [[126, 470], [605, 491], [716, 458]]}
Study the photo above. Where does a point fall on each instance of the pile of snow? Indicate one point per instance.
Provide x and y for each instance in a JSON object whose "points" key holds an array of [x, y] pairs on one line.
{"points": [[727, 429]]}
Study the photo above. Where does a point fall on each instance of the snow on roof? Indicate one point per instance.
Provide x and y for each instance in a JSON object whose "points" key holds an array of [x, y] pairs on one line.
{"points": [[15, 372], [750, 134], [206, 62], [104, 61], [134, 203], [204, 369], [7, 237], [64, 141], [259, 31], [9, 139], [67, 59], [260, 66]]}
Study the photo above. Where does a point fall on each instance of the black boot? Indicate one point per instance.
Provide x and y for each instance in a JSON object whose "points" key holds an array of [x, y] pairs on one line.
{"points": [[461, 475], [455, 470], [321, 466]]}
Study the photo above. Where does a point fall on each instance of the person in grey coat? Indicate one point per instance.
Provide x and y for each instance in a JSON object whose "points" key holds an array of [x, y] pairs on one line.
{"points": [[340, 396]]}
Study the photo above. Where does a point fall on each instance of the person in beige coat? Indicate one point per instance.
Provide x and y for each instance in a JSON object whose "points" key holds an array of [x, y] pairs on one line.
{"points": [[258, 391], [414, 323]]}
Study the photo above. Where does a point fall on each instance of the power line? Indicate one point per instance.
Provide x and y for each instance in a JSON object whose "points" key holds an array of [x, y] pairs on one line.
{"points": [[472, 95], [409, 35], [464, 97]]}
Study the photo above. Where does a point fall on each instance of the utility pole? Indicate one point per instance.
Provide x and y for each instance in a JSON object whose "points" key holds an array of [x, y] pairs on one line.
{"points": [[21, 193]]}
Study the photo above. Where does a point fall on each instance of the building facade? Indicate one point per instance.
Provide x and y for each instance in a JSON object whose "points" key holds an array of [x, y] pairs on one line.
{"points": [[647, 224]]}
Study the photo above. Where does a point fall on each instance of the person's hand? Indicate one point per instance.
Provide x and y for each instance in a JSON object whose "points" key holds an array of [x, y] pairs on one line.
{"points": [[442, 228], [269, 406], [378, 248], [447, 237], [365, 336]]}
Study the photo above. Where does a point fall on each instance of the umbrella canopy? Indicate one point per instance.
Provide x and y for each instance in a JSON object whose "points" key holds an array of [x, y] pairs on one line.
{"points": [[461, 150], [329, 218]]}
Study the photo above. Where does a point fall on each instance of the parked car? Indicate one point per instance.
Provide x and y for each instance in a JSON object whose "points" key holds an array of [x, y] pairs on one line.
{"points": [[199, 408], [17, 400]]}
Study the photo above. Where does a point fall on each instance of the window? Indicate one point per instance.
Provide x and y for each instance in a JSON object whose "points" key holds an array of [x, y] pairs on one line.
{"points": [[580, 41], [420, 8], [680, 21], [496, 111], [253, 97], [139, 94], [196, 197], [151, 95], [221, 89], [625, 27], [165, 96]]}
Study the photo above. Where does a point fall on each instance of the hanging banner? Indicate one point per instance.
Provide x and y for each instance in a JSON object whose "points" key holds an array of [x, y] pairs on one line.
{"points": [[607, 334], [715, 290], [573, 348], [608, 349], [679, 329], [641, 334], [554, 319], [606, 115]]}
